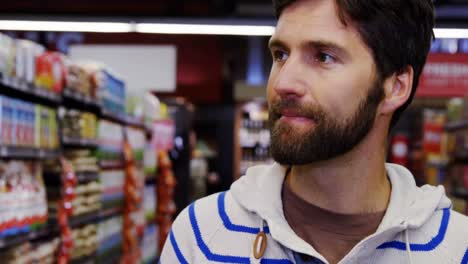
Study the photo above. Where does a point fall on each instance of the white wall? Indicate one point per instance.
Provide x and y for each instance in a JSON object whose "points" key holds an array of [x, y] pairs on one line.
{"points": [[142, 67]]}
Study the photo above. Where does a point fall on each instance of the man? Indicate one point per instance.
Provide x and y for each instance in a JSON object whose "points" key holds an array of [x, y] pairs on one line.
{"points": [[343, 72]]}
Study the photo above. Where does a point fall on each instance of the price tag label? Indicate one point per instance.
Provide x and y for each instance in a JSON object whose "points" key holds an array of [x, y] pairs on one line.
{"points": [[41, 153]]}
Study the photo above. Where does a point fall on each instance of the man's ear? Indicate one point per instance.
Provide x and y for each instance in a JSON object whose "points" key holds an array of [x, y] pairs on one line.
{"points": [[397, 90]]}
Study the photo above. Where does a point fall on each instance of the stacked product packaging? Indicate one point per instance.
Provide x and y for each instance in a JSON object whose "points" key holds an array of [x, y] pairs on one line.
{"points": [[78, 125], [25, 124], [23, 203], [150, 244], [81, 79], [254, 137], [38, 252], [109, 238], [134, 219], [85, 241], [110, 139], [151, 234], [109, 154], [166, 207], [112, 188], [111, 92], [27, 65]]}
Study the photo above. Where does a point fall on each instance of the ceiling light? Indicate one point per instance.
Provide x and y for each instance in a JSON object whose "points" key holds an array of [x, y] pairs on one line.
{"points": [[65, 26], [451, 33], [204, 29]]}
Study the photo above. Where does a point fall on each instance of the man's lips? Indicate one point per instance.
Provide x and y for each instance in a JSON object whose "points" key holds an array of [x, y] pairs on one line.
{"points": [[293, 116]]}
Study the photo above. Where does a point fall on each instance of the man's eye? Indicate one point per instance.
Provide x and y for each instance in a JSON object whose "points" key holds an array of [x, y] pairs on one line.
{"points": [[325, 58], [279, 55]]}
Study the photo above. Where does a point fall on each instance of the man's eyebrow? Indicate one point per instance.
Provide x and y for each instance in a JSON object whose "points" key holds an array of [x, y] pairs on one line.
{"points": [[275, 42], [330, 46], [315, 44]]}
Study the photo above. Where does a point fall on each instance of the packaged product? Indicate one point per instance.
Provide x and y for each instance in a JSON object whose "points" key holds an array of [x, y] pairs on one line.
{"points": [[6, 44], [22, 198], [27, 53], [7, 58], [51, 71]]}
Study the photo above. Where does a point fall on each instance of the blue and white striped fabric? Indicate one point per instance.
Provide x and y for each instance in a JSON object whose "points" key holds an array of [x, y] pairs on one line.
{"points": [[222, 228]]}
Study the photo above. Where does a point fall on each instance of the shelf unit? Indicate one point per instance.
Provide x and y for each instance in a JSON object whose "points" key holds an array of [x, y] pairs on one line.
{"points": [[87, 176], [13, 152], [74, 100], [27, 92], [93, 217], [79, 142], [459, 157], [80, 98], [461, 194], [456, 125], [47, 231]]}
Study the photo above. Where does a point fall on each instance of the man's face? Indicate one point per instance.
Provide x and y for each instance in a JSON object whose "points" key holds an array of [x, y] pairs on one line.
{"points": [[323, 90]]}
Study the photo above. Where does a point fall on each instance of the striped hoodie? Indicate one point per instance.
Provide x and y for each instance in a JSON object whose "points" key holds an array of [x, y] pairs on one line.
{"points": [[418, 227]]}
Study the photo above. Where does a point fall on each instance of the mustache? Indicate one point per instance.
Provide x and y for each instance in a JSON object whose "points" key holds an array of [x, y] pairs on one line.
{"points": [[313, 112]]}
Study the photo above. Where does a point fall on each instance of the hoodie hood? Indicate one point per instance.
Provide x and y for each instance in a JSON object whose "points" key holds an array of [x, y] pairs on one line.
{"points": [[259, 191]]}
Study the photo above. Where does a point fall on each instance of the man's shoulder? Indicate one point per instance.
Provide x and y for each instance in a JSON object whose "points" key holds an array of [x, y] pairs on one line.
{"points": [[212, 213], [199, 211], [453, 230], [209, 227], [458, 226]]}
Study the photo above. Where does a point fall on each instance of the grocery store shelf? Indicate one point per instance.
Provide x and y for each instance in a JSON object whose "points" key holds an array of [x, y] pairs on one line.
{"points": [[111, 164], [84, 260], [12, 152], [135, 122], [97, 216], [148, 129], [81, 98], [80, 220], [110, 212], [110, 256], [30, 93], [119, 118], [19, 239], [461, 193], [461, 155], [87, 176], [150, 181], [79, 142], [456, 125], [78, 100], [125, 120], [151, 261]]}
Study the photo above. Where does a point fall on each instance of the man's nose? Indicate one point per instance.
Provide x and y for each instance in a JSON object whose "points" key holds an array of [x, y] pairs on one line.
{"points": [[290, 79]]}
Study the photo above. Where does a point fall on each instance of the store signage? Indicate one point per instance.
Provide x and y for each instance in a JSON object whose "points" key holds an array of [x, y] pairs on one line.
{"points": [[445, 75], [163, 134]]}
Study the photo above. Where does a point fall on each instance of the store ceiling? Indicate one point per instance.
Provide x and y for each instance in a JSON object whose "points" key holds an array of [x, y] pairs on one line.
{"points": [[450, 12]]}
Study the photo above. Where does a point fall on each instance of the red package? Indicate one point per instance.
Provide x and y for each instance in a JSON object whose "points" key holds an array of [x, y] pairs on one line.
{"points": [[51, 72]]}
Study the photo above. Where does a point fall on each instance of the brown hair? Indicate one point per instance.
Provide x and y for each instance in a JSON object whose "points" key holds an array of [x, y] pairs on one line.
{"points": [[399, 33]]}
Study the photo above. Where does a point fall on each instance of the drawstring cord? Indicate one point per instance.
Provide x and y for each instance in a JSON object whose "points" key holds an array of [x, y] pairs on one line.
{"points": [[408, 249]]}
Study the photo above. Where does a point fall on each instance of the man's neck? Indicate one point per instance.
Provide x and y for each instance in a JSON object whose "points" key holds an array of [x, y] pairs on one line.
{"points": [[350, 184]]}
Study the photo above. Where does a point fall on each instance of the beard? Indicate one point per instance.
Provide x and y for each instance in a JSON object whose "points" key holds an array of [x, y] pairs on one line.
{"points": [[328, 138]]}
